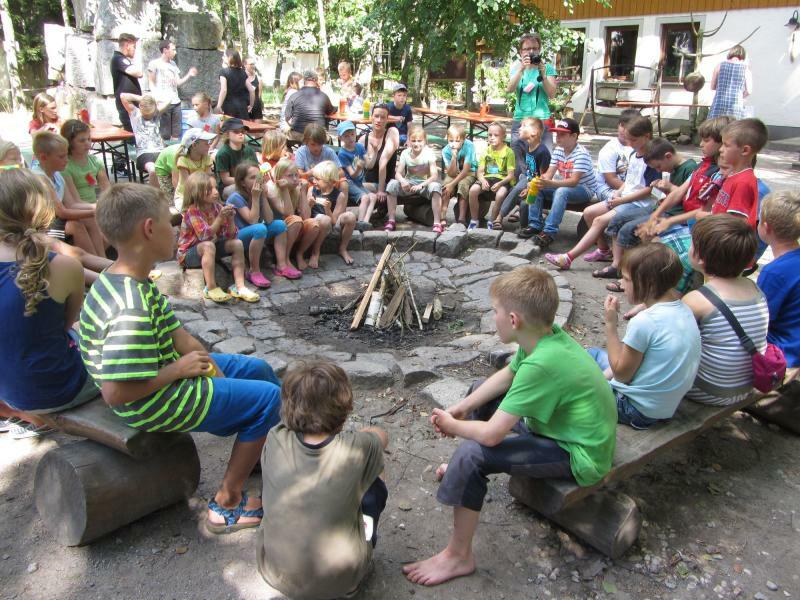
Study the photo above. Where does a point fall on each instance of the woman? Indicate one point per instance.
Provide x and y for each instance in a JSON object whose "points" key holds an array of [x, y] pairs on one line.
{"points": [[257, 110], [292, 85], [236, 95], [733, 82], [534, 83], [381, 144]]}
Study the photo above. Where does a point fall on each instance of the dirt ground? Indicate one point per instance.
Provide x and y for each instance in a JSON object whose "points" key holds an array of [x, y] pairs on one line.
{"points": [[722, 516]]}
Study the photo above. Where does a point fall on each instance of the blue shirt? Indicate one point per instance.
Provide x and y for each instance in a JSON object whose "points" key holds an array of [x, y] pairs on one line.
{"points": [[466, 152], [238, 201], [404, 112], [348, 157], [306, 161], [780, 282]]}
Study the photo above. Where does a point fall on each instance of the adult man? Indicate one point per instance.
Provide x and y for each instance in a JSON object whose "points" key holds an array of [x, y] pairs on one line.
{"points": [[165, 77], [125, 75], [308, 105]]}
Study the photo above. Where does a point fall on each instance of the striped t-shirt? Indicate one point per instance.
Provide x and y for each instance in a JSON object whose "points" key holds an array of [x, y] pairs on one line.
{"points": [[126, 335], [725, 375], [578, 160]]}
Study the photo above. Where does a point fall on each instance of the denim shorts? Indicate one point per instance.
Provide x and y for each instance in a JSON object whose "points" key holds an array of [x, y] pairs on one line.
{"points": [[355, 192], [625, 213]]}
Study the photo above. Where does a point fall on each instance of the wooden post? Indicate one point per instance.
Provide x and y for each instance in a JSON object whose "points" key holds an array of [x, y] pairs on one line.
{"points": [[376, 275]]}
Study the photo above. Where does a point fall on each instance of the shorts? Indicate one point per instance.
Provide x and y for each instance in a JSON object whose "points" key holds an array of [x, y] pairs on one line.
{"points": [[165, 184], [144, 158], [462, 189], [291, 220], [355, 192], [393, 188], [623, 214], [193, 260], [488, 195], [57, 229]]}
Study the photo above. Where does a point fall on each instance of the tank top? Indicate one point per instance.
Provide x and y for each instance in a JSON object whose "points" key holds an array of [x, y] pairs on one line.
{"points": [[47, 368], [371, 176]]}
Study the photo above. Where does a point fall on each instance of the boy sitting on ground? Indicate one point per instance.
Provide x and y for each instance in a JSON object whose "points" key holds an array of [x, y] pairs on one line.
{"points": [[152, 373], [552, 395], [322, 486]]}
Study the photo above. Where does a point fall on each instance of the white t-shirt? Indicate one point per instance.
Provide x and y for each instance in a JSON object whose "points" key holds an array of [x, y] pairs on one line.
{"points": [[147, 133], [208, 123], [418, 169], [636, 178], [165, 89], [613, 158]]}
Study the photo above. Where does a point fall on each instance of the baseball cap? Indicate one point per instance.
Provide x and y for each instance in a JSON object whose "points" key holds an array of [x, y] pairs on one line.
{"points": [[344, 127], [194, 134], [234, 123], [400, 87], [310, 75], [566, 126]]}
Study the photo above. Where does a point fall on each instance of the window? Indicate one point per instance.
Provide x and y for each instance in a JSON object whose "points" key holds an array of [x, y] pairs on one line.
{"points": [[569, 62], [677, 37], [621, 51]]}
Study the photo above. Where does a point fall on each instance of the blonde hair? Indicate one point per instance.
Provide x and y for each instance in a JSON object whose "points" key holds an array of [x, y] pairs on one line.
{"points": [[196, 188], [282, 167], [747, 132], [327, 170], [27, 208], [781, 211], [123, 206], [202, 97], [273, 144], [537, 123], [500, 126], [528, 291], [416, 129], [39, 103], [6, 147], [47, 142], [148, 103], [457, 131]]}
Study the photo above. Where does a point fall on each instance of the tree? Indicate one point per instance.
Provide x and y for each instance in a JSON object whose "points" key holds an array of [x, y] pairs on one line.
{"points": [[10, 47]]}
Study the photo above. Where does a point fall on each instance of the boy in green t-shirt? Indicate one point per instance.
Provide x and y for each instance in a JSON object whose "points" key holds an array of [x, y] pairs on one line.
{"points": [[495, 175], [552, 395]]}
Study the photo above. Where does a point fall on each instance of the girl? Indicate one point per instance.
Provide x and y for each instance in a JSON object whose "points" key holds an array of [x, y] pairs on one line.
{"points": [[417, 173], [495, 177], [655, 364], [257, 223], [273, 147], [257, 110], [284, 193], [40, 298], [207, 233], [10, 155], [192, 158], [292, 85], [236, 95], [86, 171], [146, 124], [45, 114], [205, 119], [328, 203]]}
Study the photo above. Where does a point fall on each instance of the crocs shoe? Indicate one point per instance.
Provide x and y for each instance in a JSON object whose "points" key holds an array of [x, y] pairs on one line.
{"points": [[562, 261], [437, 228], [288, 272], [217, 295], [391, 225], [257, 279], [244, 294], [599, 255]]}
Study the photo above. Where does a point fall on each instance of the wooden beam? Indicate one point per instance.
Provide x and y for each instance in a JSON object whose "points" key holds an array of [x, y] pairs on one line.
{"points": [[376, 275], [388, 317], [426, 315]]}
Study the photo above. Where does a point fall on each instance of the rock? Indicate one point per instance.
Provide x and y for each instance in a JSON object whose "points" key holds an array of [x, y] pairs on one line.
{"points": [[509, 263], [483, 238], [560, 321], [487, 322], [414, 371], [508, 241], [470, 269], [564, 309], [138, 17], [436, 357], [278, 362], [525, 249], [684, 139], [187, 315], [265, 330], [192, 30], [565, 294], [285, 299], [404, 505], [479, 290], [419, 212], [361, 258], [336, 356], [401, 238], [208, 332], [367, 373], [759, 596], [485, 256], [374, 240], [425, 241], [561, 281], [592, 570], [236, 345], [208, 63], [446, 392], [103, 83], [450, 245], [33, 567], [772, 586], [440, 276], [310, 280]]}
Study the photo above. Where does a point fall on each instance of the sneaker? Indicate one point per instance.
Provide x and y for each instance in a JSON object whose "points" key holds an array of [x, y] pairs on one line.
{"points": [[562, 261], [5, 426], [599, 255], [543, 240], [472, 225], [528, 232], [29, 430]]}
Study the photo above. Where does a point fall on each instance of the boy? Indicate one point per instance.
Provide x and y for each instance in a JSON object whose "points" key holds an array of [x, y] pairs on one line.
{"points": [[495, 175], [399, 108], [460, 166], [569, 180], [152, 373], [568, 426], [612, 161], [322, 486], [780, 279], [145, 123], [232, 152], [351, 159], [532, 158], [165, 77]]}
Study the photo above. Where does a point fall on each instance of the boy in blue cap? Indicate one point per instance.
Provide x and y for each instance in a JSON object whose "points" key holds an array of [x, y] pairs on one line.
{"points": [[351, 159]]}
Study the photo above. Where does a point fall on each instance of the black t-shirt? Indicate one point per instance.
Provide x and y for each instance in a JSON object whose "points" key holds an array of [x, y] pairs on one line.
{"points": [[123, 83], [308, 105], [524, 159]]}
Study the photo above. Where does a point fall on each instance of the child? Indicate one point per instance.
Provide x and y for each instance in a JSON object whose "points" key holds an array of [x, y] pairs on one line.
{"points": [[257, 224], [208, 233], [552, 396], [192, 158], [231, 153], [722, 247], [273, 147], [399, 108], [328, 203], [341, 471], [654, 365], [86, 172], [460, 168], [417, 174], [10, 155], [45, 114], [146, 124], [355, 102], [570, 179], [351, 159], [631, 201], [142, 359], [205, 118], [532, 159], [314, 151], [166, 170], [612, 160], [495, 176], [780, 279]]}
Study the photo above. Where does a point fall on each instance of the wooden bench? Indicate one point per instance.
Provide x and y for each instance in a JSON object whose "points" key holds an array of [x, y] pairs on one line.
{"points": [[87, 489]]}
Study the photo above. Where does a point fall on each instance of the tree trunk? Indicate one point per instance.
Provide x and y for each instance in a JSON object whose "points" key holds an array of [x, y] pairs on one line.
{"points": [[323, 35], [276, 83], [470, 83], [240, 9], [65, 12], [10, 46], [226, 23], [249, 45]]}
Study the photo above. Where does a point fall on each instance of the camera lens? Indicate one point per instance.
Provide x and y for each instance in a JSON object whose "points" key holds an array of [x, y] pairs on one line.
{"points": [[535, 59]]}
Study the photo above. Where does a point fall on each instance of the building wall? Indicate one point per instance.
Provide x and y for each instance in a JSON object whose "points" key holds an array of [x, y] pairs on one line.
{"points": [[776, 80]]}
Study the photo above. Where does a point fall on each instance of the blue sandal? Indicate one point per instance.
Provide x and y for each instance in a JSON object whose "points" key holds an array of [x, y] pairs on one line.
{"points": [[232, 516]]}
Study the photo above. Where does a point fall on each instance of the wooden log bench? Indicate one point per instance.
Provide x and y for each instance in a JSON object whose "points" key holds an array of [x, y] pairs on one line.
{"points": [[606, 519], [87, 489]]}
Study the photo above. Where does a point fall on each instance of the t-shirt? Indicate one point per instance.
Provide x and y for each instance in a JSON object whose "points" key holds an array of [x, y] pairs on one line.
{"points": [[126, 335], [535, 103], [497, 164], [306, 161], [780, 282], [57, 181], [122, 82], [147, 133], [666, 333], [238, 201], [210, 122], [166, 162], [348, 158], [307, 105], [204, 164], [165, 88], [404, 112], [312, 499], [531, 163], [562, 394], [227, 158], [466, 152], [739, 196], [85, 177], [639, 176], [612, 158], [703, 185], [578, 160], [417, 169], [678, 177]]}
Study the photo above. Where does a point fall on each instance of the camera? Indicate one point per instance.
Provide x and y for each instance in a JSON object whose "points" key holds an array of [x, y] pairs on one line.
{"points": [[535, 58]]}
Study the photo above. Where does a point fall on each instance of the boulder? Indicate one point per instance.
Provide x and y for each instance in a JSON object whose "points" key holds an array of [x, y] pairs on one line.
{"points": [[208, 63], [446, 392], [450, 245], [138, 17], [191, 30]]}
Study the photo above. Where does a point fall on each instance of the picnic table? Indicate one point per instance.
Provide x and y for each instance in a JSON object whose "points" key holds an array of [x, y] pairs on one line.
{"points": [[257, 130], [363, 124], [476, 120], [112, 140]]}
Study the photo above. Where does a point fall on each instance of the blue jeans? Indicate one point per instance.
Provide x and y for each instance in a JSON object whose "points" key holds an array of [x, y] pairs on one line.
{"points": [[247, 401], [559, 198]]}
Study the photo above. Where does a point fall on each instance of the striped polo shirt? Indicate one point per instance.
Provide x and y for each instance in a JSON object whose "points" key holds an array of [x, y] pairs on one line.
{"points": [[126, 330]]}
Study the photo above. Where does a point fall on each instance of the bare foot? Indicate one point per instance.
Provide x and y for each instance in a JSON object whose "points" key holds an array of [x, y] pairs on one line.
{"points": [[348, 260], [438, 569], [301, 262], [313, 261], [440, 471]]}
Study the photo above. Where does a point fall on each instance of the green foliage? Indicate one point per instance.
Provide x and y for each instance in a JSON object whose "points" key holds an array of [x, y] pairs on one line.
{"points": [[28, 17]]}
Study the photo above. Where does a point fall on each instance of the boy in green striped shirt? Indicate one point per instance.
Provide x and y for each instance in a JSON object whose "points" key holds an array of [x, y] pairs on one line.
{"points": [[155, 375]]}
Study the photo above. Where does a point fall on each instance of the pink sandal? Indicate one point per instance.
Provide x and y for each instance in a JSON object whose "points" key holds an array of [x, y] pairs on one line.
{"points": [[390, 225], [598, 255], [288, 272], [257, 279], [437, 228]]}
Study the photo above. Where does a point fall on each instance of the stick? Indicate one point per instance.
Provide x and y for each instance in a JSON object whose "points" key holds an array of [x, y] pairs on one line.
{"points": [[376, 275], [392, 308], [413, 302], [403, 255], [437, 308], [426, 316]]}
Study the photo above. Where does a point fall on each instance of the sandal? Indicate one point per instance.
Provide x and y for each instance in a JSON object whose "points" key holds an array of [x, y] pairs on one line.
{"points": [[496, 225], [598, 255], [243, 294], [562, 261], [217, 295], [257, 279], [513, 218], [288, 272], [232, 516], [609, 272], [391, 225], [437, 228], [614, 286]]}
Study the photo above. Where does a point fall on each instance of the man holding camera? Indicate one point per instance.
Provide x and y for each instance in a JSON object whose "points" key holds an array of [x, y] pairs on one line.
{"points": [[534, 82]]}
